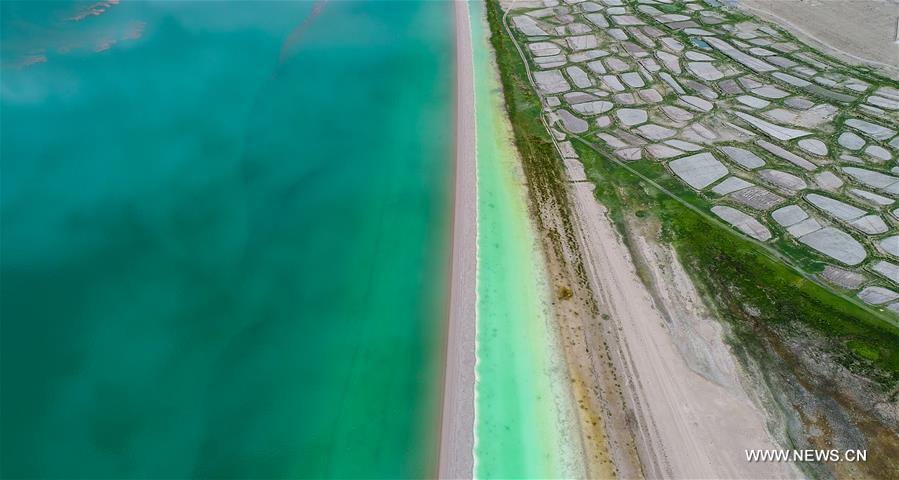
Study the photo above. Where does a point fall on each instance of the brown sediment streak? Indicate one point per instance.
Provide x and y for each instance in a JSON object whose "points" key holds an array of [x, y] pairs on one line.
{"points": [[297, 33]]}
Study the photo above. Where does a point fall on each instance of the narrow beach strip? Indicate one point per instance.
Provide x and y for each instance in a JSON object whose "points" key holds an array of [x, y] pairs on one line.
{"points": [[457, 425], [524, 425]]}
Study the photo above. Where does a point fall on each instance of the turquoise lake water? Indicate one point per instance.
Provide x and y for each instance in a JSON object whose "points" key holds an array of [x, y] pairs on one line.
{"points": [[224, 237], [522, 425]]}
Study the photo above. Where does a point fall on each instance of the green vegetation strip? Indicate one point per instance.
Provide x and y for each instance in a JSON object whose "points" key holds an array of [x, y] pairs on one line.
{"points": [[756, 293]]}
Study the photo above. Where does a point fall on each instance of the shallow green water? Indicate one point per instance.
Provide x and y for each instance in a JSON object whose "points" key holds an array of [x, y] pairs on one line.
{"points": [[518, 421], [223, 244]]}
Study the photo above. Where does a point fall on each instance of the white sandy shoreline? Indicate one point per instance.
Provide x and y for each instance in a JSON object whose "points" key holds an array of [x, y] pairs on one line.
{"points": [[456, 455]]}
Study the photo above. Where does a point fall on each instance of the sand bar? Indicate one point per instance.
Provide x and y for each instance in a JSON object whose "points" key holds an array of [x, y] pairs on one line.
{"points": [[457, 425]]}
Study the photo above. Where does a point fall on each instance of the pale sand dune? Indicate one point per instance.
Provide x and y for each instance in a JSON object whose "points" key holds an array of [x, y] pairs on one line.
{"points": [[457, 425], [855, 31], [694, 417]]}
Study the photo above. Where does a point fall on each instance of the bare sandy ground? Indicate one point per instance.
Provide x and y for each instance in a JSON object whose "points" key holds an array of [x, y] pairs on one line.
{"points": [[694, 419], [456, 458], [855, 31]]}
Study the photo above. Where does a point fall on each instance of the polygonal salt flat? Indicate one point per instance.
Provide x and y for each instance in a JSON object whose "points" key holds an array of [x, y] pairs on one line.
{"points": [[650, 95], [871, 197], [587, 55], [883, 102], [672, 44], [813, 146], [655, 132], [682, 145], [698, 171], [626, 20], [551, 81], [757, 198], [698, 57], [789, 215], [743, 222], [878, 152], [749, 82], [667, 78], [612, 140], [650, 64], [598, 19], [590, 7], [730, 87], [784, 180], [870, 177], [542, 49], [676, 113], [596, 66], [842, 277], [626, 98], [753, 102], [760, 52], [870, 224], [787, 155], [834, 207], [572, 123], [748, 61], [888, 92], [889, 270], [698, 32], [671, 62], [617, 34], [696, 103], [705, 70], [730, 184], [768, 91], [890, 245], [613, 83], [835, 244], [795, 81], [877, 295], [703, 89], [630, 153], [850, 141], [592, 108], [744, 158], [633, 79], [528, 26], [662, 151], [616, 64], [579, 97], [799, 103], [579, 77], [582, 42], [772, 130], [874, 131], [804, 227], [828, 181], [631, 116]]}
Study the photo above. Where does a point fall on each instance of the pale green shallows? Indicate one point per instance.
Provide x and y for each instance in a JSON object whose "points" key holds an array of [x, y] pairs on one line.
{"points": [[518, 424]]}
